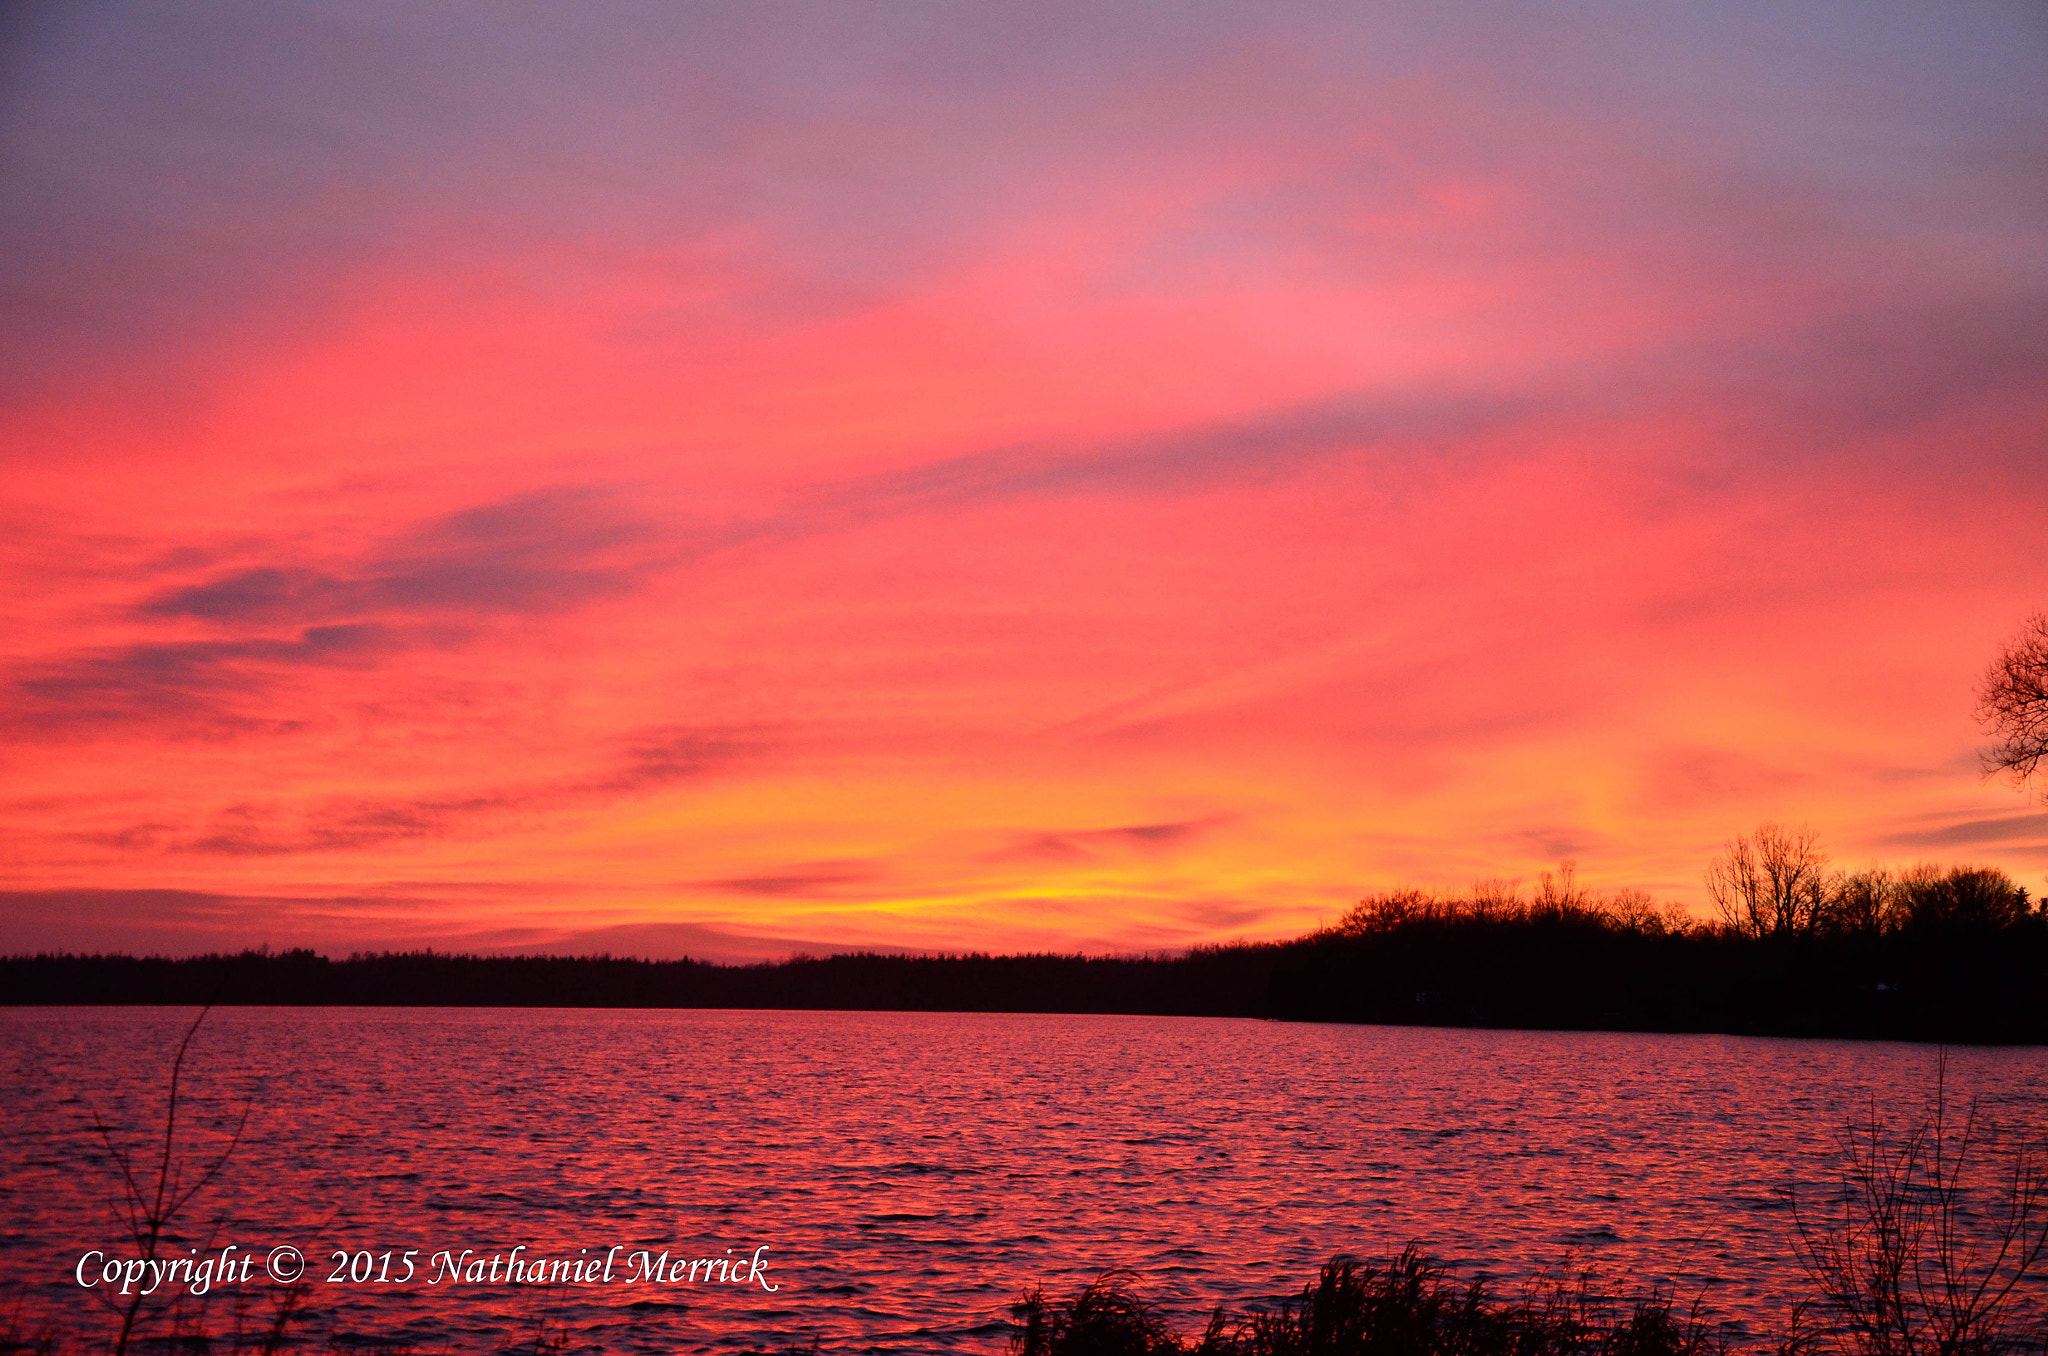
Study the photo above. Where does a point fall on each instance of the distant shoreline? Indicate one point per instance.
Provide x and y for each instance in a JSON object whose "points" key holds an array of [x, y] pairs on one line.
{"points": [[1956, 984]]}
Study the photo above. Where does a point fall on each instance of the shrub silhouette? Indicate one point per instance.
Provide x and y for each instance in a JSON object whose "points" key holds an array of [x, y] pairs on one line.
{"points": [[1935, 1240], [1409, 1306], [1105, 1319]]}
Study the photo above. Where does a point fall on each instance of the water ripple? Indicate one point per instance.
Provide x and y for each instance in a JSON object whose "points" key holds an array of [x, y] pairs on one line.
{"points": [[903, 1210]]}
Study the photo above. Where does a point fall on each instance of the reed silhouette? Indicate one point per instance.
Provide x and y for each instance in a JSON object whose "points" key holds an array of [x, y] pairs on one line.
{"points": [[1408, 1306]]}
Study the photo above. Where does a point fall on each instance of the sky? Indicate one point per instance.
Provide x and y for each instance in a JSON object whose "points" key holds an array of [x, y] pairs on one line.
{"points": [[727, 479]]}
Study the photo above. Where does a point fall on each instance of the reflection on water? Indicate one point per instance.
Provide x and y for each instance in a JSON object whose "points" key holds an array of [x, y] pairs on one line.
{"points": [[909, 1174]]}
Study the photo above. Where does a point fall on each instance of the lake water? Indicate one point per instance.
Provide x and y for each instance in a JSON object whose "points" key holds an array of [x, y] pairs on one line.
{"points": [[909, 1174]]}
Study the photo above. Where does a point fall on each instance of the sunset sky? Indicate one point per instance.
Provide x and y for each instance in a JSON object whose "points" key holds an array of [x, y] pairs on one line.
{"points": [[715, 479]]}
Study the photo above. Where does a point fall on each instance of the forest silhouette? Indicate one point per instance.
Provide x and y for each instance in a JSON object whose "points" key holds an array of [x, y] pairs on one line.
{"points": [[1926, 953]]}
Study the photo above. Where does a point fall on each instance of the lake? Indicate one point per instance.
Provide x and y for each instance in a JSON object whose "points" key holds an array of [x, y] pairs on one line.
{"points": [[901, 1177]]}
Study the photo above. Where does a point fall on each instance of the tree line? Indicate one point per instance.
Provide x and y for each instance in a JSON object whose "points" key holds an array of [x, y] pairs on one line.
{"points": [[1954, 953], [1928, 952]]}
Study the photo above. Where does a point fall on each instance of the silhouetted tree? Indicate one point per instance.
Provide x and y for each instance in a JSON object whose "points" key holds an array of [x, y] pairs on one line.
{"points": [[2012, 703], [1867, 903], [1772, 883], [1633, 910], [1962, 896]]}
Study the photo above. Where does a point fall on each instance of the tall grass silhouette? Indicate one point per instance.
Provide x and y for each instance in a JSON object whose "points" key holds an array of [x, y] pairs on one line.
{"points": [[1409, 1306]]}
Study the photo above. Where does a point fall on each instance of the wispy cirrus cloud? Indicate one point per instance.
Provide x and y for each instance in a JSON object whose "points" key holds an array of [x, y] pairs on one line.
{"points": [[1800, 399], [348, 824], [1556, 842], [1070, 844], [805, 881], [207, 687], [2001, 829], [640, 762], [540, 553], [1274, 445], [530, 557]]}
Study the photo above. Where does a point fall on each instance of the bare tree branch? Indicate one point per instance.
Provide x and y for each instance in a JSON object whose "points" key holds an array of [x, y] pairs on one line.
{"points": [[1771, 883], [2012, 704]]}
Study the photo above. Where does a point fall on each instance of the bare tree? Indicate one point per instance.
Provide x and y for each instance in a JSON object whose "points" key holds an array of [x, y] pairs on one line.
{"points": [[1867, 903], [1634, 910], [1561, 895], [1772, 883], [1934, 1243], [2012, 703], [152, 1206]]}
